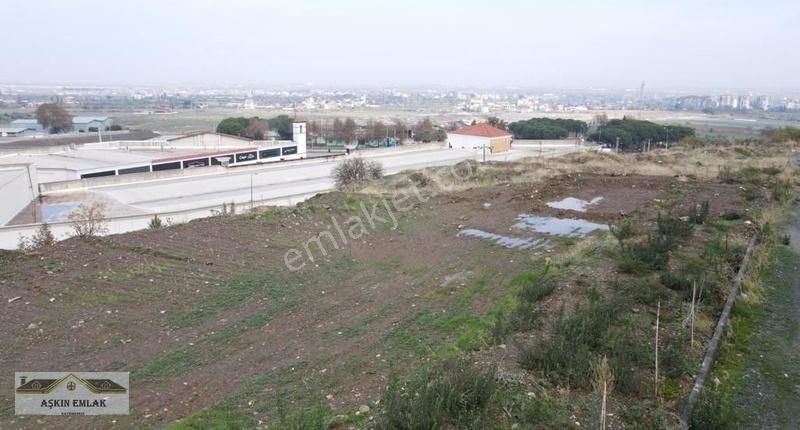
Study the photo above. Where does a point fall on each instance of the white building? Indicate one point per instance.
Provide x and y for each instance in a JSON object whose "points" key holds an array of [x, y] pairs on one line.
{"points": [[85, 123], [478, 136]]}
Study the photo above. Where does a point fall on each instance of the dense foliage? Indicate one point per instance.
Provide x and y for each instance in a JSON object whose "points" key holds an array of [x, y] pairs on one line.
{"points": [[255, 127], [785, 134], [633, 134], [547, 128]]}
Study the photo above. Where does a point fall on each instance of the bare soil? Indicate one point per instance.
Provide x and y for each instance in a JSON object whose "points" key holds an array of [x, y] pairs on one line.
{"points": [[207, 311]]}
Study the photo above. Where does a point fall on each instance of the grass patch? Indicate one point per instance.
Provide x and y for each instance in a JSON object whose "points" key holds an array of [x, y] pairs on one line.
{"points": [[168, 364], [451, 394]]}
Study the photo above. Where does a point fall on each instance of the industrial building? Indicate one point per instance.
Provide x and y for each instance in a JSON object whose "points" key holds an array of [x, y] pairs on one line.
{"points": [[258, 152], [27, 124], [91, 123], [480, 136]]}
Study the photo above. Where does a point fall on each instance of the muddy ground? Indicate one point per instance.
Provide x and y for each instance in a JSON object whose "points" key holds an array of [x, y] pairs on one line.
{"points": [[207, 311]]}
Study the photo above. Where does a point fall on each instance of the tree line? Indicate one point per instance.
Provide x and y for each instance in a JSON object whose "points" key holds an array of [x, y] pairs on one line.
{"points": [[634, 134], [338, 130], [255, 127], [547, 128]]}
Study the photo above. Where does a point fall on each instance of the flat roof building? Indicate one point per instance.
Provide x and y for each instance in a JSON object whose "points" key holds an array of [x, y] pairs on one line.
{"points": [[478, 136]]}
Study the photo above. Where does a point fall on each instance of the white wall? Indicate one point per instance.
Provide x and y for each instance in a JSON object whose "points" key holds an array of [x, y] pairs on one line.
{"points": [[210, 140], [461, 141], [18, 186]]}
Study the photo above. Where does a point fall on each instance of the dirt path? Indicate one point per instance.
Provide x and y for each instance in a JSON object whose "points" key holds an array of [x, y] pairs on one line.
{"points": [[770, 389]]}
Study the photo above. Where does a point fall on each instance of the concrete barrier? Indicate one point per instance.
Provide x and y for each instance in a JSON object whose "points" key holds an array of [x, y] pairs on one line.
{"points": [[10, 235], [83, 184], [18, 186]]}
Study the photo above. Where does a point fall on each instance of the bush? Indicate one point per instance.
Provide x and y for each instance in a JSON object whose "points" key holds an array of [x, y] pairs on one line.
{"points": [[42, 238], [419, 179], [89, 220], [622, 231], [115, 127], [354, 170], [700, 213], [465, 170], [155, 223], [451, 394]]}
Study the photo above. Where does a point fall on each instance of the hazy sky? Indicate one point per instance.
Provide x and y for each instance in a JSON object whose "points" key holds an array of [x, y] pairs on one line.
{"points": [[557, 43]]}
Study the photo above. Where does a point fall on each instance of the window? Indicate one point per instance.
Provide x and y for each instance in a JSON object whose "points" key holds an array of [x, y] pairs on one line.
{"points": [[245, 156], [167, 166], [198, 162], [268, 153], [140, 169], [288, 150], [98, 174]]}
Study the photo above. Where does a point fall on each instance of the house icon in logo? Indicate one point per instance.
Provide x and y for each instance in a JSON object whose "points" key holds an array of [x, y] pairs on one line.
{"points": [[45, 386]]}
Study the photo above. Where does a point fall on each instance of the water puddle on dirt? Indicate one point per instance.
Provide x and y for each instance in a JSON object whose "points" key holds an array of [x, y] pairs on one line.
{"points": [[557, 226], [573, 204], [54, 212], [505, 241]]}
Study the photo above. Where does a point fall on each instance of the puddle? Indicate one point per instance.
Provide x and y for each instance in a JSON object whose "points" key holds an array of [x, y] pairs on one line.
{"points": [[55, 212], [505, 241], [573, 204], [557, 226]]}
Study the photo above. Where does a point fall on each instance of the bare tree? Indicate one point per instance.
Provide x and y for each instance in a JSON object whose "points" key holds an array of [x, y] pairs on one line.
{"points": [[89, 220], [53, 117]]}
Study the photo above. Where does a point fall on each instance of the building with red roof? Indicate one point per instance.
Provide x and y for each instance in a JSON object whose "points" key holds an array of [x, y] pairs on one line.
{"points": [[478, 136]]}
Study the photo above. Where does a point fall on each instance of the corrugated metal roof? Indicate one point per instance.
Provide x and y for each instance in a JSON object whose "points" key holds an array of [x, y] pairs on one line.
{"points": [[85, 119]]}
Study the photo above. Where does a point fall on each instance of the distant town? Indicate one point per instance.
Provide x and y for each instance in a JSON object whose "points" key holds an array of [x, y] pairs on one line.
{"points": [[164, 100]]}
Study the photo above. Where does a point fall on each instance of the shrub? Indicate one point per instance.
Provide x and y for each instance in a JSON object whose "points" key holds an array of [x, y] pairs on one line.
{"points": [[115, 127], [155, 223], [674, 228], [700, 213], [354, 170], [622, 231], [451, 394], [465, 170], [89, 220], [42, 238], [419, 179]]}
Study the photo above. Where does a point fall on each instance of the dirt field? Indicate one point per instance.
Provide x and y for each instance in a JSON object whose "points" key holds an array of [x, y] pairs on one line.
{"points": [[207, 312]]}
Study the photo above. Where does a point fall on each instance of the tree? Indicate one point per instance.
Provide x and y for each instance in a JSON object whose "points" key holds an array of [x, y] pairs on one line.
{"points": [[53, 117], [425, 131], [283, 125], [349, 130], [354, 170], [547, 128], [256, 128], [376, 131], [400, 130], [234, 125], [338, 125], [496, 122], [634, 134]]}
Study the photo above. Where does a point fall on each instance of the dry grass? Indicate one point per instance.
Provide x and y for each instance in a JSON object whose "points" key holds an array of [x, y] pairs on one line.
{"points": [[702, 164]]}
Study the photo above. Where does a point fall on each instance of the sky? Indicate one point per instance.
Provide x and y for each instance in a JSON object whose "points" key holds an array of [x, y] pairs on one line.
{"points": [[678, 44]]}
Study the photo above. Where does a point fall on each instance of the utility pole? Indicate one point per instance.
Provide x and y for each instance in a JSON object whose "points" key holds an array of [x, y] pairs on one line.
{"points": [[616, 149]]}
